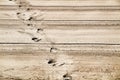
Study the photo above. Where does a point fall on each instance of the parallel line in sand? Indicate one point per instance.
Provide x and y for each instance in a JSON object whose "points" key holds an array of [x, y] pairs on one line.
{"points": [[15, 7], [65, 43]]}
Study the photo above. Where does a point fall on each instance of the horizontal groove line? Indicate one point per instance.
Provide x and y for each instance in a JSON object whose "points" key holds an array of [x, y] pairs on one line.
{"points": [[63, 25], [65, 43], [76, 6], [58, 20], [14, 7], [67, 20], [64, 6]]}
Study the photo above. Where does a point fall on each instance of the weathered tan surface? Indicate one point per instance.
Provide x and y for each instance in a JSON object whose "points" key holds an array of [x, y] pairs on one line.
{"points": [[59, 40]]}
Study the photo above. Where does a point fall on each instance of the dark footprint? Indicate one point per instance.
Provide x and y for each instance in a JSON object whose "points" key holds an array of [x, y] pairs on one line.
{"points": [[51, 61], [67, 77], [36, 39]]}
